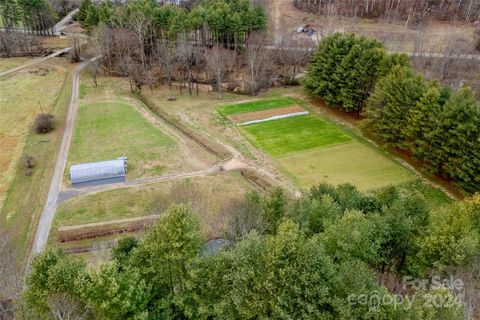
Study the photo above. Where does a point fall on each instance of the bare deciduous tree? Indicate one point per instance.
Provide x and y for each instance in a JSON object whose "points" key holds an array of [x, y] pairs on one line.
{"points": [[293, 53], [65, 307], [76, 46], [243, 216], [93, 70], [259, 62], [11, 277], [104, 43], [185, 61], [167, 57], [141, 27], [220, 62]]}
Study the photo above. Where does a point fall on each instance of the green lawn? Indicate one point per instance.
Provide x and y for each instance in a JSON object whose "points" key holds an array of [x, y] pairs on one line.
{"points": [[256, 106], [108, 130], [281, 137], [353, 162], [314, 150]]}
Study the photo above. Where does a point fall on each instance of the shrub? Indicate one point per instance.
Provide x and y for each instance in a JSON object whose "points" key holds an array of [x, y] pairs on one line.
{"points": [[28, 162], [43, 123]]}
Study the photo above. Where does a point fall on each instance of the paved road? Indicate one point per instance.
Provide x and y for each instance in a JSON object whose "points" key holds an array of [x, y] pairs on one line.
{"points": [[34, 61], [411, 54], [50, 207], [62, 24]]}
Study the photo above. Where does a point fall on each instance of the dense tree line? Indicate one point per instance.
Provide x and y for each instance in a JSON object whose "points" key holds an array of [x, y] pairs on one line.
{"points": [[286, 258], [410, 10], [226, 21], [344, 69], [438, 126], [38, 16]]}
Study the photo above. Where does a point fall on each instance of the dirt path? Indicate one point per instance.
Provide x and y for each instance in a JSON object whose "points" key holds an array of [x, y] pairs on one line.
{"points": [[34, 61], [230, 165], [48, 212], [191, 151], [275, 9]]}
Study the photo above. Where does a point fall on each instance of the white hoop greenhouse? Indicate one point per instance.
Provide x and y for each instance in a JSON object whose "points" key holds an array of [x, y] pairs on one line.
{"points": [[95, 173]]}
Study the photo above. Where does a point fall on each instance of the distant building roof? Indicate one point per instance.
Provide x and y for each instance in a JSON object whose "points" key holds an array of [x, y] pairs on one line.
{"points": [[97, 170]]}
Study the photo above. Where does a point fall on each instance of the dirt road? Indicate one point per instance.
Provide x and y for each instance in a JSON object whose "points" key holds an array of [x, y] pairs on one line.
{"points": [[34, 61], [48, 212]]}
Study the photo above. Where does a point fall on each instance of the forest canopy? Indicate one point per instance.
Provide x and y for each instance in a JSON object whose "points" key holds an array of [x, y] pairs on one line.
{"points": [[304, 259], [210, 21]]}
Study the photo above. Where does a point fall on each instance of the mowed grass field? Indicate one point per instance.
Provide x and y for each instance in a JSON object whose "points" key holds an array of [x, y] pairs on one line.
{"points": [[352, 162], [313, 150], [295, 134], [108, 130]]}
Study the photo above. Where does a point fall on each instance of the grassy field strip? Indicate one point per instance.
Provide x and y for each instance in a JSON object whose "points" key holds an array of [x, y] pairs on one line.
{"points": [[105, 228], [107, 130], [152, 199], [9, 63], [78, 227], [311, 149], [258, 105], [25, 198], [20, 97], [285, 136], [352, 162]]}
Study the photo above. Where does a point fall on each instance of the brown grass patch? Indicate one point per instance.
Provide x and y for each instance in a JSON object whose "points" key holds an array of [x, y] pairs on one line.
{"points": [[20, 97], [263, 114]]}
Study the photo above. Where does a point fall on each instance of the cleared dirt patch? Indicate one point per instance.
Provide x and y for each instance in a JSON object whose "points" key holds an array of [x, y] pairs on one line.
{"points": [[102, 229], [257, 115]]}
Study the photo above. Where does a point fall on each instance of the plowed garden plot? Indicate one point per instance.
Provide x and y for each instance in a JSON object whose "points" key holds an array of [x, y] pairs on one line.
{"points": [[263, 114], [258, 105]]}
